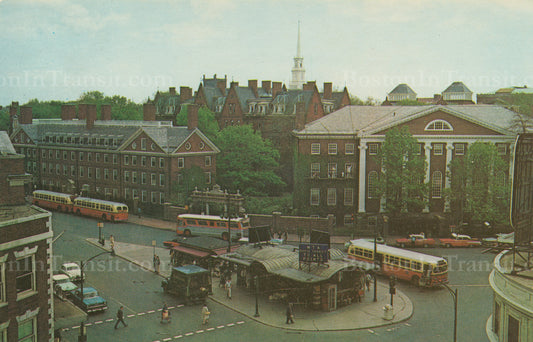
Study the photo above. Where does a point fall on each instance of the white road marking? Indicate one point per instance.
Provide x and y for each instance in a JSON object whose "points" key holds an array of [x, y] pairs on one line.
{"points": [[151, 311], [210, 329], [189, 334], [178, 336], [220, 327]]}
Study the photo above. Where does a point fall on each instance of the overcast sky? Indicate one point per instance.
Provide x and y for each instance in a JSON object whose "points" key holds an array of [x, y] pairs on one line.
{"points": [[57, 49]]}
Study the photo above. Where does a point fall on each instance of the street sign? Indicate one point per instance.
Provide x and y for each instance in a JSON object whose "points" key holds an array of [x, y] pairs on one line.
{"points": [[313, 252]]}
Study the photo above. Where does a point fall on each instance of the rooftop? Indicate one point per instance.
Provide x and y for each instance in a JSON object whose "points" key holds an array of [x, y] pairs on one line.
{"points": [[8, 213]]}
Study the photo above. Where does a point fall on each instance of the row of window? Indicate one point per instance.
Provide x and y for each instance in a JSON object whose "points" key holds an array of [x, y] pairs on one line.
{"points": [[99, 157], [85, 140], [27, 331], [373, 148], [349, 170], [331, 196]]}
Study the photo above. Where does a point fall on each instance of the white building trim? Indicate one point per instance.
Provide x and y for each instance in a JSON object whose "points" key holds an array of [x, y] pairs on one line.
{"points": [[362, 176]]}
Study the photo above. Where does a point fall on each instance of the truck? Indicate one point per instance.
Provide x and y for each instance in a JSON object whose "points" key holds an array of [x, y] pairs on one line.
{"points": [[190, 283], [90, 301]]}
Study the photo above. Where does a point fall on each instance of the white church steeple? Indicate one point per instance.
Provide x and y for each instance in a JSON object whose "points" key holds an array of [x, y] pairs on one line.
{"points": [[298, 71]]}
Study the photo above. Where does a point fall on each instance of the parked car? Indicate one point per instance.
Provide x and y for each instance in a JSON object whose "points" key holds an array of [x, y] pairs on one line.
{"points": [[63, 286], [501, 239], [90, 301], [459, 240], [72, 270], [415, 240]]}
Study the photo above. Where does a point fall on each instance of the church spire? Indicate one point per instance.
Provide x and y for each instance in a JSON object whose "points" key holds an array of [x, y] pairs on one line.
{"points": [[298, 71]]}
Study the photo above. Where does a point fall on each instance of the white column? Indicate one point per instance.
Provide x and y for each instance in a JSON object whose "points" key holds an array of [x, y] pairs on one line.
{"points": [[362, 176], [511, 157], [447, 183], [427, 154]]}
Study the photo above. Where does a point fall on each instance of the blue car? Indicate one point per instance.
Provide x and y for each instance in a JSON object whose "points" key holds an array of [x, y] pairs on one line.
{"points": [[91, 301]]}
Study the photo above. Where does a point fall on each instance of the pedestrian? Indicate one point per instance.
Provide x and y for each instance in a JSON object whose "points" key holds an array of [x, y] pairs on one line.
{"points": [[290, 314], [57, 335], [228, 287], [205, 314], [368, 281], [165, 314], [120, 317], [112, 244], [157, 263]]}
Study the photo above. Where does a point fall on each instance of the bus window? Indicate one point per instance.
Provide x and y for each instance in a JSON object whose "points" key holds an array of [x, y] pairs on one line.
{"points": [[234, 225], [202, 223]]}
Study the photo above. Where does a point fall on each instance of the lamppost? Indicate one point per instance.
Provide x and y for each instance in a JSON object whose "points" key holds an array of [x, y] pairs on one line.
{"points": [[454, 296], [256, 278], [375, 264], [100, 235], [228, 216]]}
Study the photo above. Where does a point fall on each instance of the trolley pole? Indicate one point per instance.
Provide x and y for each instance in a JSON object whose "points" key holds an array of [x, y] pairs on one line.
{"points": [[256, 296], [454, 296], [375, 270]]}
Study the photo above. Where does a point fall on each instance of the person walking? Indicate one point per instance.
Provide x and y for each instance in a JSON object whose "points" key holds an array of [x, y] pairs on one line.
{"points": [[157, 262], [228, 288], [120, 317], [368, 281], [165, 314], [290, 314], [112, 244], [205, 314]]}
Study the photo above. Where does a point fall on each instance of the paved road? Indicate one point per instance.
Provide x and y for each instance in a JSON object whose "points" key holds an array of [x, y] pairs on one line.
{"points": [[140, 293]]}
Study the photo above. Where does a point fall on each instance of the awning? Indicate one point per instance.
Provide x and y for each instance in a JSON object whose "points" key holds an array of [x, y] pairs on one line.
{"points": [[191, 251]]}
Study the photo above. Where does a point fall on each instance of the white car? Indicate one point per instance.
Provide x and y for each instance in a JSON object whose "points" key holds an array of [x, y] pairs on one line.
{"points": [[62, 285], [72, 270]]}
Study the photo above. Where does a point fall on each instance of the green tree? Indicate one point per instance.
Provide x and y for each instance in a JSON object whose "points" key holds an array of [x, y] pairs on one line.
{"points": [[189, 179], [403, 170], [247, 162], [479, 183], [370, 101], [4, 119], [207, 122]]}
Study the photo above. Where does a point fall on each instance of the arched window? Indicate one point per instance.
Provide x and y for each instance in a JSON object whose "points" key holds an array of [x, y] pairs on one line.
{"points": [[436, 184], [439, 126], [372, 184]]}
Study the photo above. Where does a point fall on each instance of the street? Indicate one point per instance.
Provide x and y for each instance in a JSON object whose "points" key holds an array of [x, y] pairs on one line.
{"points": [[139, 291]]}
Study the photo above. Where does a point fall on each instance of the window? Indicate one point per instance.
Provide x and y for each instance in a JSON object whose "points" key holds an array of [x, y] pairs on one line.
{"points": [[332, 149], [65, 170], [459, 149], [438, 126], [25, 274], [315, 196], [72, 155], [502, 149], [81, 155], [348, 196], [332, 170], [97, 157], [154, 197], [58, 154], [181, 163], [348, 219], [115, 174], [349, 149], [89, 156], [372, 149], [106, 174], [115, 159], [162, 180], [315, 170], [372, 184], [332, 196], [153, 179], [436, 185], [153, 162], [72, 171], [144, 196], [81, 171], [97, 173], [89, 172], [27, 331], [207, 177], [315, 148], [133, 160], [161, 197], [126, 176], [207, 160], [143, 178], [106, 158], [161, 162], [438, 149], [143, 161], [126, 160], [349, 170], [143, 144], [134, 177]]}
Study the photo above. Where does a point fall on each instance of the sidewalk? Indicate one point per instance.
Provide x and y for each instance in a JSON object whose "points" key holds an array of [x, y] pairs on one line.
{"points": [[367, 314]]}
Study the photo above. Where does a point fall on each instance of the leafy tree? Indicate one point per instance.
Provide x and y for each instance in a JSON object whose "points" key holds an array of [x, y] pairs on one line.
{"points": [[207, 122], [370, 101], [403, 171], [247, 162], [4, 119], [190, 179], [267, 205], [479, 183], [122, 108]]}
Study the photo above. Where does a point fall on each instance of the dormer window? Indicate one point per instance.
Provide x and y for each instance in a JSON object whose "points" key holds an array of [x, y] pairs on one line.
{"points": [[439, 126]]}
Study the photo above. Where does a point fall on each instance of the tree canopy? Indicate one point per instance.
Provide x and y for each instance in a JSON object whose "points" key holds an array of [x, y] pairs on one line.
{"points": [[207, 122], [247, 162], [403, 170]]}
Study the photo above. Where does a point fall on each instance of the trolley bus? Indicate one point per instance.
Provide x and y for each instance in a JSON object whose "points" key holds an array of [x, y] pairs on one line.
{"points": [[105, 210], [53, 200], [193, 224], [418, 268]]}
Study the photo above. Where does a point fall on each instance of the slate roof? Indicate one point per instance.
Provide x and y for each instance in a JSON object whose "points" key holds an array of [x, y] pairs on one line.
{"points": [[457, 87], [402, 89], [244, 94], [163, 99], [364, 120], [211, 96], [163, 133], [6, 147]]}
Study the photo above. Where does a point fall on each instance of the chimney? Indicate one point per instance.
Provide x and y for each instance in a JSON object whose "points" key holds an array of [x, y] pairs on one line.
{"points": [[82, 111], [172, 90], [266, 85], [13, 109], [192, 116], [310, 85], [185, 94], [253, 85], [26, 115], [68, 112], [91, 115], [328, 90], [149, 112], [221, 85], [276, 88], [105, 112], [234, 84], [301, 116]]}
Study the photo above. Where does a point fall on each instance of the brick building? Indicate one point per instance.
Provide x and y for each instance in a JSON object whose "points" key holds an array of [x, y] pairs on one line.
{"points": [[26, 296], [335, 167], [503, 95], [136, 162]]}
